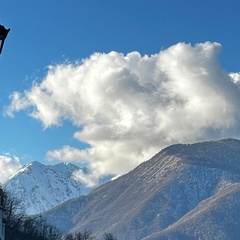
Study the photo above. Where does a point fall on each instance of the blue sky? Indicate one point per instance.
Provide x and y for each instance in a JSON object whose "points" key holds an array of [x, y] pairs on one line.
{"points": [[61, 33]]}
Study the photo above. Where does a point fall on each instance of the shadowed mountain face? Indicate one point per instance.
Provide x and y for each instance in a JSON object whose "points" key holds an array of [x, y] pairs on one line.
{"points": [[185, 191], [215, 218]]}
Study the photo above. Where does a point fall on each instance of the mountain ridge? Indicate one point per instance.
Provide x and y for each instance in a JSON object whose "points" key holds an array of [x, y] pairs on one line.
{"points": [[40, 187], [157, 193]]}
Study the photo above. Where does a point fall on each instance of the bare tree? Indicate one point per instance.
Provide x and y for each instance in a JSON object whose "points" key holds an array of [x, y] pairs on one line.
{"points": [[86, 235], [21, 227], [69, 237], [13, 215], [109, 236]]}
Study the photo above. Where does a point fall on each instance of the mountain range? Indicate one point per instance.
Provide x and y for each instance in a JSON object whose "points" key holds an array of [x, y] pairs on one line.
{"points": [[39, 187], [186, 191]]}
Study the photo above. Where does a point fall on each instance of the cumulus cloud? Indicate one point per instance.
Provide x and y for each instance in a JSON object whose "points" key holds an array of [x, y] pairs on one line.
{"points": [[9, 165], [128, 107]]}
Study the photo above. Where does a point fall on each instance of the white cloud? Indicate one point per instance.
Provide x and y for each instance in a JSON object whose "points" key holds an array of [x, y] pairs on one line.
{"points": [[130, 106], [235, 78], [89, 180], [69, 154], [8, 165]]}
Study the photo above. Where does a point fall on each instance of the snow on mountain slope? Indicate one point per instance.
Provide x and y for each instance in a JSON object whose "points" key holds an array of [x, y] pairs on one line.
{"points": [[214, 218], [182, 189], [40, 187]]}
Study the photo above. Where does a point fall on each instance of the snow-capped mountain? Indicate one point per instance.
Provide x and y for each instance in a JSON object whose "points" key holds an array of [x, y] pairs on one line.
{"points": [[40, 187], [184, 192]]}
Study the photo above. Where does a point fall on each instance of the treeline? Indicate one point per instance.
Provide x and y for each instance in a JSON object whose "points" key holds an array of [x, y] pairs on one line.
{"points": [[21, 227], [87, 236]]}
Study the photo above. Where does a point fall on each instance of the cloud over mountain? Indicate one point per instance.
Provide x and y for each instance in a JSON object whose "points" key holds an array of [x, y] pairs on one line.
{"points": [[9, 165], [128, 107]]}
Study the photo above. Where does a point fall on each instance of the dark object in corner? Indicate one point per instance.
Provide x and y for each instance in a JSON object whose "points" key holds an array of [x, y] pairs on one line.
{"points": [[3, 34]]}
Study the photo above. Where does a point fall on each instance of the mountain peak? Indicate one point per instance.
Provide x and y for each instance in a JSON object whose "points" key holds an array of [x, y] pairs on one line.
{"points": [[42, 187], [225, 152], [64, 166]]}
